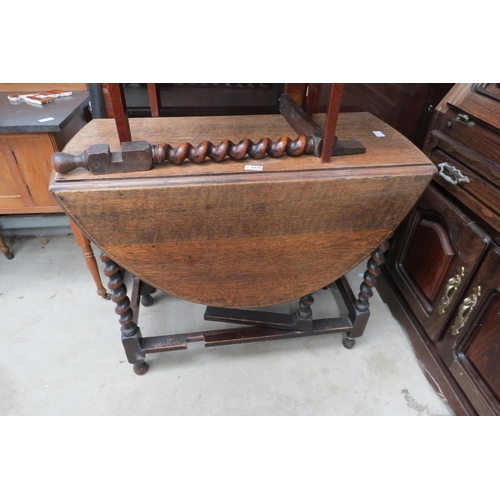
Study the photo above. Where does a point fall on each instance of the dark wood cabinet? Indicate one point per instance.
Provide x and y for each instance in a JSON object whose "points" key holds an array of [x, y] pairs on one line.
{"points": [[442, 273], [471, 344], [432, 258], [408, 107]]}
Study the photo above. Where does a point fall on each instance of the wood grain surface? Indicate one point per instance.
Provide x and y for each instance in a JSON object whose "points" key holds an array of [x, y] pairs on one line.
{"points": [[485, 342], [239, 239], [476, 105], [391, 150]]}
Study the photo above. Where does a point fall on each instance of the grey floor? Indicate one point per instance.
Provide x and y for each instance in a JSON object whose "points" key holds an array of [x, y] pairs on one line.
{"points": [[61, 354]]}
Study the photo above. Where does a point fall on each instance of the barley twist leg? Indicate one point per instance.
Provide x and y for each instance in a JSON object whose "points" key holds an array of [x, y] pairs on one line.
{"points": [[131, 333], [370, 277], [362, 303]]}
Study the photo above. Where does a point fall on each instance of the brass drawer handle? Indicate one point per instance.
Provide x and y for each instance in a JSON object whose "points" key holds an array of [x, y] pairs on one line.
{"points": [[463, 118], [455, 176], [465, 309], [450, 290]]}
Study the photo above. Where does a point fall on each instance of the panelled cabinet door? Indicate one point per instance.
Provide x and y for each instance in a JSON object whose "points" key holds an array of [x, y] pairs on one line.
{"points": [[13, 191], [471, 344], [33, 152], [432, 258]]}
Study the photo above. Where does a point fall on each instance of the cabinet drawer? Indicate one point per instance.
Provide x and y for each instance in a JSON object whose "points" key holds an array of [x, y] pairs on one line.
{"points": [[433, 256], [477, 146], [471, 344], [460, 177], [490, 90]]}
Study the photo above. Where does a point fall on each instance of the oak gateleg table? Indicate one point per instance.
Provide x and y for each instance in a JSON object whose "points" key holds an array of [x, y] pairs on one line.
{"points": [[243, 233]]}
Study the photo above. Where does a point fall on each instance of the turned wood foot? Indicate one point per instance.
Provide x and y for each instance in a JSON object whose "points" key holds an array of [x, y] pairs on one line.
{"points": [[147, 300], [348, 342], [5, 249], [146, 290], [141, 368]]}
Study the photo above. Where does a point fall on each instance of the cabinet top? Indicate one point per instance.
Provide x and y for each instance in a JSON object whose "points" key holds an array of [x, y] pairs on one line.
{"points": [[19, 117], [480, 101]]}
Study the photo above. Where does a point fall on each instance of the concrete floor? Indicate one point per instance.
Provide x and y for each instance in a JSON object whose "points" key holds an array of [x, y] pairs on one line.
{"points": [[62, 355]]}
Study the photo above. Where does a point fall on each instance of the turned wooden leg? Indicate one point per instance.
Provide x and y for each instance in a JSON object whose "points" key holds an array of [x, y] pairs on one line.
{"points": [[362, 303], [145, 292], [131, 333], [5, 249], [370, 277], [84, 243], [303, 315], [304, 311], [348, 342]]}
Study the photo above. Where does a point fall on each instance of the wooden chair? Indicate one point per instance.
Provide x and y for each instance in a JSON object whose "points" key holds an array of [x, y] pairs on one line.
{"points": [[306, 96]]}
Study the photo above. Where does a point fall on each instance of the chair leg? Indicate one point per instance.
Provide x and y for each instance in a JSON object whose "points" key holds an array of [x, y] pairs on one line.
{"points": [[332, 114], [117, 96], [5, 249], [90, 260]]}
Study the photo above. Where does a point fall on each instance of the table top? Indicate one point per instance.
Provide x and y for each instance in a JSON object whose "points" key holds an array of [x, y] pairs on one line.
{"points": [[24, 117], [386, 149], [216, 234]]}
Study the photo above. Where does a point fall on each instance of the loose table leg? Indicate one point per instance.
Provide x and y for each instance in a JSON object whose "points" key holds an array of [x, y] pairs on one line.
{"points": [[362, 303], [131, 333], [5, 249]]}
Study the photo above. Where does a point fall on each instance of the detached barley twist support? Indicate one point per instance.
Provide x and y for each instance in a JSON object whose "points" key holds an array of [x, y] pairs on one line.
{"points": [[284, 146], [141, 156]]}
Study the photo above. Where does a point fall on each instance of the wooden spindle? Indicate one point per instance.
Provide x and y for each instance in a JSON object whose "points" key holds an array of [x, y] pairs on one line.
{"points": [[154, 99], [312, 98], [332, 115], [117, 96]]}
